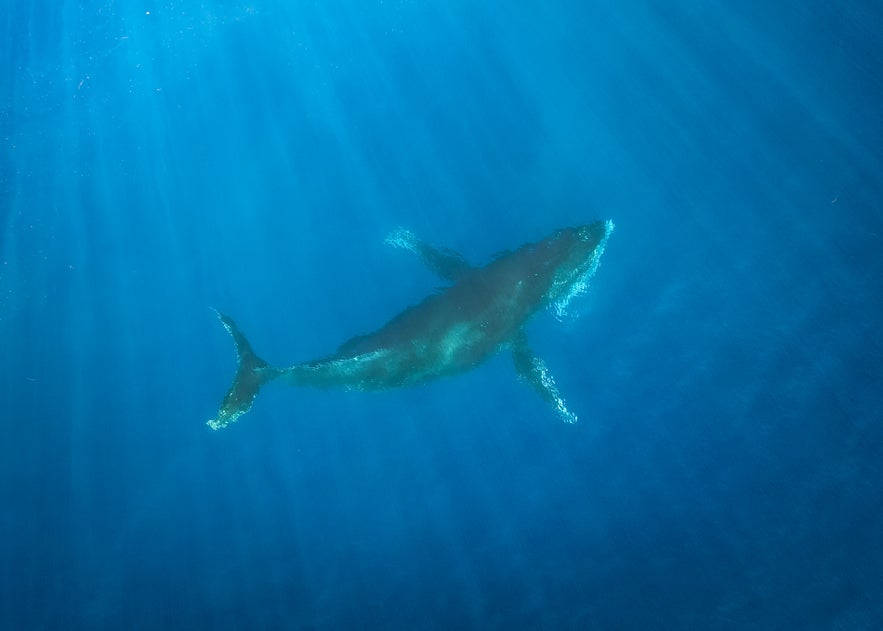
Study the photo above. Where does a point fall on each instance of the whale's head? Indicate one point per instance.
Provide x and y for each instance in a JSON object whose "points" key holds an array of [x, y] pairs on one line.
{"points": [[574, 254]]}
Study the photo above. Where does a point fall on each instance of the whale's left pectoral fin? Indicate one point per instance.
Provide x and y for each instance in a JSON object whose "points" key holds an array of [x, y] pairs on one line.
{"points": [[446, 263], [535, 372]]}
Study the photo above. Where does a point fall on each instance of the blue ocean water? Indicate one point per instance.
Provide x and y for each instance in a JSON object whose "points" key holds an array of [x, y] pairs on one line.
{"points": [[163, 157]]}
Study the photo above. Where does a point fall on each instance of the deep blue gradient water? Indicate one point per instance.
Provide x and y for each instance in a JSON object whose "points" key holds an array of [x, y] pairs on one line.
{"points": [[163, 157]]}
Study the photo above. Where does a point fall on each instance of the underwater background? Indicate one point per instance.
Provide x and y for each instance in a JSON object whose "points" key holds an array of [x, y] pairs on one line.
{"points": [[160, 158]]}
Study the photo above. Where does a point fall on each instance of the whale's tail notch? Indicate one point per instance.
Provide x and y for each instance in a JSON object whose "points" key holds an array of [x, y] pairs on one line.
{"points": [[252, 373]]}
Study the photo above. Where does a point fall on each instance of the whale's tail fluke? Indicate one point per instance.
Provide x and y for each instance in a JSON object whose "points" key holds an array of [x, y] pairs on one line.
{"points": [[252, 373]]}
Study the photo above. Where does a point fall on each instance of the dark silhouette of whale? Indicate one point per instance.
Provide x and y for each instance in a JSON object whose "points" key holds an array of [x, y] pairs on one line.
{"points": [[482, 312]]}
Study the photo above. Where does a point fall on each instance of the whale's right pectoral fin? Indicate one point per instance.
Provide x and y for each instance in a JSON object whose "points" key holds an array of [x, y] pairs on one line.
{"points": [[444, 262], [535, 372], [251, 373]]}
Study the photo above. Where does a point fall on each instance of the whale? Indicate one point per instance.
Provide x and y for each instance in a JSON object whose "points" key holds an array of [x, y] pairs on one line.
{"points": [[481, 311]]}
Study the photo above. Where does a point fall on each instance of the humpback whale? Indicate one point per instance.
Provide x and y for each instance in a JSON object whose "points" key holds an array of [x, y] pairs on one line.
{"points": [[482, 311]]}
